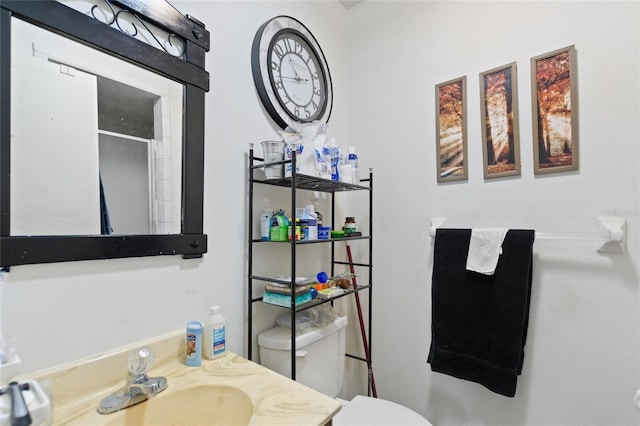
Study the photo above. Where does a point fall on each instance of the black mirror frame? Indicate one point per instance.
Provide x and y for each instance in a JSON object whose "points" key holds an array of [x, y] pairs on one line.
{"points": [[190, 71]]}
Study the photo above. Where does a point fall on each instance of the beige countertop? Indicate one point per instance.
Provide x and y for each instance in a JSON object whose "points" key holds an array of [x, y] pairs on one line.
{"points": [[78, 387]]}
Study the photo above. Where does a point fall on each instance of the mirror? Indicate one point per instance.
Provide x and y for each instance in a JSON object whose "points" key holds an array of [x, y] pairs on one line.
{"points": [[104, 157], [89, 153]]}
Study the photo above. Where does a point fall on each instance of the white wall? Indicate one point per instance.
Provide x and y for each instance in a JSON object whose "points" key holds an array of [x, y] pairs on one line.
{"points": [[581, 358], [581, 364], [61, 312]]}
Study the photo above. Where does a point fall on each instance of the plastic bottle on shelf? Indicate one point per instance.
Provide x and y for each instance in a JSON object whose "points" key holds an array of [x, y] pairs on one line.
{"points": [[349, 226], [321, 151], [346, 173], [312, 222], [326, 159], [265, 224], [298, 229], [278, 226], [334, 151], [194, 344], [322, 277], [215, 335], [352, 159]]}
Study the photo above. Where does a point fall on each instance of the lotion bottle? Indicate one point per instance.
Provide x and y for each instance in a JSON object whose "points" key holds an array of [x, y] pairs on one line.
{"points": [[352, 159], [194, 344], [215, 334]]}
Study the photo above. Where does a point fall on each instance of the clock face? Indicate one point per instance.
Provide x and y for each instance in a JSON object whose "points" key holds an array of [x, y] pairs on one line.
{"points": [[296, 76], [290, 73]]}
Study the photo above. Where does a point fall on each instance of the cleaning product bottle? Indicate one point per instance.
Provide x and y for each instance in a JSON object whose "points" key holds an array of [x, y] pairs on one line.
{"points": [[194, 344], [312, 222], [278, 226], [352, 159], [215, 335]]}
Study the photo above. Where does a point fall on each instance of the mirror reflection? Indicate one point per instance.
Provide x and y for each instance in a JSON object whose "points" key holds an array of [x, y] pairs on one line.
{"points": [[95, 141]]}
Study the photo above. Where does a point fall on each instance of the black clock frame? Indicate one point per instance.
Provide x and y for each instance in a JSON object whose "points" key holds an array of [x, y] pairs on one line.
{"points": [[261, 48]]}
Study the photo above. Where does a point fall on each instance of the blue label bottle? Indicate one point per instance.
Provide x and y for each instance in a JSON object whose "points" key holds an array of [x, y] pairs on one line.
{"points": [[352, 159], [194, 344]]}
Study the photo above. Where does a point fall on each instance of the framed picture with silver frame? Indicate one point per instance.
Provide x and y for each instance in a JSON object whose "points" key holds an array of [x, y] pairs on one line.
{"points": [[499, 113], [555, 111], [451, 130]]}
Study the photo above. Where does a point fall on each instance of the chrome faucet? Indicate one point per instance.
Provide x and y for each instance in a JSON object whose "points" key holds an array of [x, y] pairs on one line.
{"points": [[138, 386], [19, 413]]}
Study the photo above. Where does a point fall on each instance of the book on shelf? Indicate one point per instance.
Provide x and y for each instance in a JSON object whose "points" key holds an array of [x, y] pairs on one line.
{"points": [[277, 289]]}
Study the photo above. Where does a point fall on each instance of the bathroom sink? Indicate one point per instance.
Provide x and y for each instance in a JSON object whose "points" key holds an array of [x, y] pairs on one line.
{"points": [[230, 390], [200, 405]]}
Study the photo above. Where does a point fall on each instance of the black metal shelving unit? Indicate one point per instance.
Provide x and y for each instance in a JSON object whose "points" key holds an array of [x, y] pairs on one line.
{"points": [[295, 183]]}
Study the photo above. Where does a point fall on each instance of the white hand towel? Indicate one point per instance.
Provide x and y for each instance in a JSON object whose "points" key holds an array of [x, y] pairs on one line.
{"points": [[485, 248]]}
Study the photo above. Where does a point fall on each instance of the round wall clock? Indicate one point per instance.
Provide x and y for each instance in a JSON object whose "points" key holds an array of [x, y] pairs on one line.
{"points": [[291, 73]]}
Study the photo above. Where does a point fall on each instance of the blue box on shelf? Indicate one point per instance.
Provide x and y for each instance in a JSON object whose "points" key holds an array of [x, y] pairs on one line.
{"points": [[284, 299]]}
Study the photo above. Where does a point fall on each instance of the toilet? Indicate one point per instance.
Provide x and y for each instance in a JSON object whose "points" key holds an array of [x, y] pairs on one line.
{"points": [[320, 365]]}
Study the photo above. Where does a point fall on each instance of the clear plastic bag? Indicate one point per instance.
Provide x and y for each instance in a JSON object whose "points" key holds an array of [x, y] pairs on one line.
{"points": [[309, 139], [314, 317]]}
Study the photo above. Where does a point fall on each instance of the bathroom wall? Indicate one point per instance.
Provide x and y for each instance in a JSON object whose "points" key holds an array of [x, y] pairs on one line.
{"points": [[581, 358], [61, 312], [581, 365]]}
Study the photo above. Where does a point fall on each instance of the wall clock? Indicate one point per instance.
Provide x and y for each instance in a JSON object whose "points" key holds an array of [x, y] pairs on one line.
{"points": [[291, 73]]}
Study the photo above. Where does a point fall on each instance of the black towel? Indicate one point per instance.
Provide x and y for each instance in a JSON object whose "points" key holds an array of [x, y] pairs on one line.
{"points": [[479, 322]]}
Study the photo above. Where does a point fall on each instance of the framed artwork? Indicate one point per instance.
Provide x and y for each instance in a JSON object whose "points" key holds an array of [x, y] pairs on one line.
{"points": [[499, 113], [451, 129], [555, 111]]}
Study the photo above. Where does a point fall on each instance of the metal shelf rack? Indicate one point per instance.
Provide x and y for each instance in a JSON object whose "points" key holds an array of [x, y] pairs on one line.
{"points": [[294, 183]]}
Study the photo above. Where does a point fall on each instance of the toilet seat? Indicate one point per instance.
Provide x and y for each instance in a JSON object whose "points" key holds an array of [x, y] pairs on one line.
{"points": [[367, 411]]}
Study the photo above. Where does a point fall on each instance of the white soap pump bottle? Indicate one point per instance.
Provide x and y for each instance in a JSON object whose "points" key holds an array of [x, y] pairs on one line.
{"points": [[215, 334]]}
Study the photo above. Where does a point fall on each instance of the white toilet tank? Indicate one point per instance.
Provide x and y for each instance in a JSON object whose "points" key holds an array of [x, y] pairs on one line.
{"points": [[320, 355]]}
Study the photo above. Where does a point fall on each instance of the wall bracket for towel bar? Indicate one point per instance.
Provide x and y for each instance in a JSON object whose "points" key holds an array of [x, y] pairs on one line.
{"points": [[612, 238]]}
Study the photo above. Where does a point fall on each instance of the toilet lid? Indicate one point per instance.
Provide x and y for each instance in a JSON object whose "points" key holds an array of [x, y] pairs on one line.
{"points": [[363, 410]]}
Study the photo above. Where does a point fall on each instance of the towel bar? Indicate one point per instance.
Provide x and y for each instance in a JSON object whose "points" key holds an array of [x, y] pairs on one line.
{"points": [[612, 239]]}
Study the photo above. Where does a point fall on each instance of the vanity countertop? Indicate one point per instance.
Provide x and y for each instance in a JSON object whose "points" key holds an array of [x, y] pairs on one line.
{"points": [[78, 387]]}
